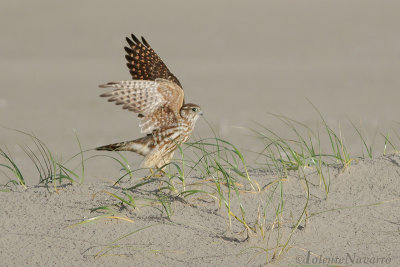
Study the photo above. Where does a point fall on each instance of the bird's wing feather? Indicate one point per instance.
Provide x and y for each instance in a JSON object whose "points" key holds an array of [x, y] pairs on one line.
{"points": [[144, 63], [157, 102]]}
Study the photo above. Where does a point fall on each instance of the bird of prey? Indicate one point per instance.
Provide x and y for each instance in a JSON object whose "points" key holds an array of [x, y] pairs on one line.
{"points": [[157, 96]]}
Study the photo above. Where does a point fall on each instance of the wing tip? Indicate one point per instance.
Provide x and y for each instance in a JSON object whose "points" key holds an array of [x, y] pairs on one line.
{"points": [[133, 41], [145, 42], [128, 50], [107, 85], [106, 95], [128, 58], [131, 44]]}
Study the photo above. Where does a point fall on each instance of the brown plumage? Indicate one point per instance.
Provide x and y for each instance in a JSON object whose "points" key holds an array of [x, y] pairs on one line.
{"points": [[144, 63], [157, 96]]}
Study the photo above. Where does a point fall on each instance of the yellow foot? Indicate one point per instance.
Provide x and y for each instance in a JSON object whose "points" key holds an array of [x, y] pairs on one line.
{"points": [[157, 174]]}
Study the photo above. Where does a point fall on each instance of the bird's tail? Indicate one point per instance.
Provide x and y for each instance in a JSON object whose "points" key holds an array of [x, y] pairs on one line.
{"points": [[142, 146]]}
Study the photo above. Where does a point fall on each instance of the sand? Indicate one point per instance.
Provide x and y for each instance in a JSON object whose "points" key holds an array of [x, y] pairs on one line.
{"points": [[240, 62], [358, 222]]}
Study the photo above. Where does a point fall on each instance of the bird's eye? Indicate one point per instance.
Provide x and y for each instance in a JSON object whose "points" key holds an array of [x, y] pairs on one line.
{"points": [[194, 109]]}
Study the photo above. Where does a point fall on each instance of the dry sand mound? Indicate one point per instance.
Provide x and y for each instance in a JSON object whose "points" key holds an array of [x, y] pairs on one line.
{"points": [[358, 221]]}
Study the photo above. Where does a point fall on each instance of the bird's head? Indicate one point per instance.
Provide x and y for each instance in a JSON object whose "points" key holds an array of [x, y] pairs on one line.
{"points": [[191, 111]]}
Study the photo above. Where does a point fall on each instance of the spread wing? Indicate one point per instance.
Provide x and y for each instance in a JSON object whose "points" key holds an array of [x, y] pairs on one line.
{"points": [[144, 63], [157, 102]]}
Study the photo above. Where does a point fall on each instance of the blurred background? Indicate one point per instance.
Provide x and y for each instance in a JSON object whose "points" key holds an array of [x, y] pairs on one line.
{"points": [[239, 60]]}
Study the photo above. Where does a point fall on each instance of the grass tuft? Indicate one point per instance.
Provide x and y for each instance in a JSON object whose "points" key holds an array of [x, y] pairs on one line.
{"points": [[49, 167], [12, 167]]}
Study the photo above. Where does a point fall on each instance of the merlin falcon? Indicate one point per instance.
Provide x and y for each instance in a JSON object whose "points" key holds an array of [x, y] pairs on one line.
{"points": [[156, 95]]}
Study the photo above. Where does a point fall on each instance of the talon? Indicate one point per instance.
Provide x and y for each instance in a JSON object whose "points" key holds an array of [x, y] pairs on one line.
{"points": [[156, 174]]}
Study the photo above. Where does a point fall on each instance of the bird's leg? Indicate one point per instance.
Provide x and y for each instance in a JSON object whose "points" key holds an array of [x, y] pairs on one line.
{"points": [[156, 174], [162, 172], [150, 175]]}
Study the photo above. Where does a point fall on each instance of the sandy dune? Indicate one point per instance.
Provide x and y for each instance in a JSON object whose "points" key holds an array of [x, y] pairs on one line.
{"points": [[359, 220]]}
